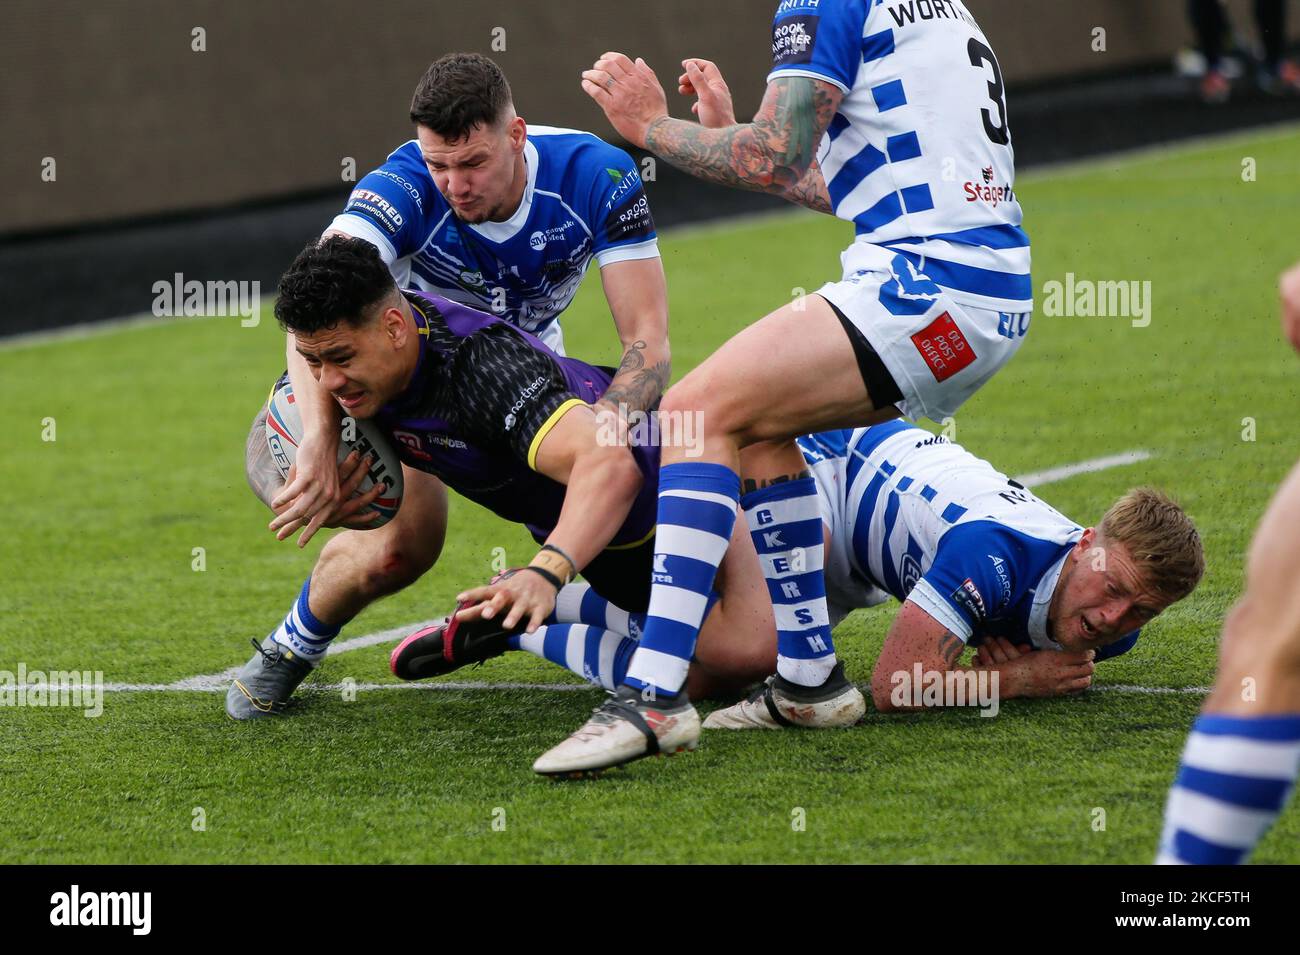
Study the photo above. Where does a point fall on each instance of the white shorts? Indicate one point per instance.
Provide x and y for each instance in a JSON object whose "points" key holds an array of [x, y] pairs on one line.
{"points": [[938, 352]]}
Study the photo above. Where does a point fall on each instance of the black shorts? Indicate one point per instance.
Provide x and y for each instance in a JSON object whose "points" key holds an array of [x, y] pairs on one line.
{"points": [[622, 576], [881, 387]]}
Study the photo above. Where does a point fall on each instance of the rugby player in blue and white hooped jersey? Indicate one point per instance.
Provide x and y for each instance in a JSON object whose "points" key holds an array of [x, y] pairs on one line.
{"points": [[979, 560], [491, 213], [890, 115]]}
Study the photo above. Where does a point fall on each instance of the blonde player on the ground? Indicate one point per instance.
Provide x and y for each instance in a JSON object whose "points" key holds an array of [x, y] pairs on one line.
{"points": [[1243, 754]]}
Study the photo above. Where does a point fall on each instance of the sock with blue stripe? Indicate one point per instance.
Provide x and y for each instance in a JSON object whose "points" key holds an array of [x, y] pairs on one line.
{"points": [[1235, 778], [786, 525], [579, 603], [697, 512], [597, 655], [302, 633]]}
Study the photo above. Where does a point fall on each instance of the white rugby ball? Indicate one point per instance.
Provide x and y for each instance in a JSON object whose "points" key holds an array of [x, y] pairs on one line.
{"points": [[284, 430]]}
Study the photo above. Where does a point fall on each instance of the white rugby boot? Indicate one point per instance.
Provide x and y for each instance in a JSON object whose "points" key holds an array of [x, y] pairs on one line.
{"points": [[624, 728], [777, 703]]}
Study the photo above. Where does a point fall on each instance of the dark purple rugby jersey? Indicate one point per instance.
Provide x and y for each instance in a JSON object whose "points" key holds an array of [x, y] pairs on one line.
{"points": [[483, 395]]}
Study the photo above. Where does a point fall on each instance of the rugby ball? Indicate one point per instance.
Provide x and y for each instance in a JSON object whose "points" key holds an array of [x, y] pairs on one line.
{"points": [[284, 428]]}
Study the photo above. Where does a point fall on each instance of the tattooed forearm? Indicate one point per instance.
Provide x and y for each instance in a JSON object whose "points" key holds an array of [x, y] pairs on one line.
{"points": [[950, 648], [749, 485], [810, 191], [771, 154], [636, 387]]}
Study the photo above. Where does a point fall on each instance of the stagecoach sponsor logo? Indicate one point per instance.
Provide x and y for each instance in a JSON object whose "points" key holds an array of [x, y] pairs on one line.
{"points": [[411, 191], [969, 596], [986, 192], [794, 32], [909, 572], [1004, 580], [538, 240], [943, 347], [371, 202], [73, 689], [75, 907], [192, 298]]}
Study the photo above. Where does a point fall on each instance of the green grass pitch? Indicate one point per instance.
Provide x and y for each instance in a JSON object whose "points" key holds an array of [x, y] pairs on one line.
{"points": [[96, 573]]}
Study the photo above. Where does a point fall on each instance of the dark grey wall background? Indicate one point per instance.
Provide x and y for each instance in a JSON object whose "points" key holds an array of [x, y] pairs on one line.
{"points": [[138, 123]]}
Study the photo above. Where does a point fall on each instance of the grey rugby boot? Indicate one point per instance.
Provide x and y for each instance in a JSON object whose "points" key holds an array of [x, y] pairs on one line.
{"points": [[265, 683]]}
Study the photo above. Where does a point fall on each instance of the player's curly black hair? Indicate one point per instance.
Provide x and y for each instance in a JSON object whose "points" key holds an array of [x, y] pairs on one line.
{"points": [[458, 92], [334, 280]]}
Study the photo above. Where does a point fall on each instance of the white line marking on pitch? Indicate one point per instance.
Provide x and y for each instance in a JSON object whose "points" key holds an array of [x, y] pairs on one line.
{"points": [[1036, 478], [213, 682]]}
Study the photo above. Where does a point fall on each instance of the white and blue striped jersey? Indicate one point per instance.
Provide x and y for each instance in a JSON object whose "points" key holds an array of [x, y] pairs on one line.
{"points": [[919, 155], [584, 199], [915, 516]]}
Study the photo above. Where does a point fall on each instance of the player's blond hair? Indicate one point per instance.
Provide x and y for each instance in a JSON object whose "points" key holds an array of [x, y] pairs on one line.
{"points": [[1161, 540]]}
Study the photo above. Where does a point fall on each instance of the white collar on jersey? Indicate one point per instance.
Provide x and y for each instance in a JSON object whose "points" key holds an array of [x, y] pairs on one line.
{"points": [[502, 231], [1043, 592]]}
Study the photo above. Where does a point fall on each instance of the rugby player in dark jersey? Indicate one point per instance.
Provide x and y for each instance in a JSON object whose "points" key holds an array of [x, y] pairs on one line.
{"points": [[504, 421]]}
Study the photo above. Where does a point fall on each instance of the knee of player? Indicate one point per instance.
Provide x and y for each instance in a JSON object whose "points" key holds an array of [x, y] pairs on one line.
{"points": [[392, 569], [1256, 638]]}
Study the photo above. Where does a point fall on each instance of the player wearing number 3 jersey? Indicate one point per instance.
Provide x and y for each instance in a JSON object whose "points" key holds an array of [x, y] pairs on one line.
{"points": [[889, 115]]}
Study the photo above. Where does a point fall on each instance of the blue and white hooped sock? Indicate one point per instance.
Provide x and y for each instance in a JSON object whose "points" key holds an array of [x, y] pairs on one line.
{"points": [[786, 525], [597, 655], [1235, 778], [302, 633], [579, 603], [697, 512]]}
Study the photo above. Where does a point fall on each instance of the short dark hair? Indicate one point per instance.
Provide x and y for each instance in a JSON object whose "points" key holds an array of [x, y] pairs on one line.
{"points": [[458, 92], [334, 280]]}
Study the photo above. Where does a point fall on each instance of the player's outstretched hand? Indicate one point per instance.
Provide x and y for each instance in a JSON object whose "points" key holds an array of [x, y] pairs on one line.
{"points": [[342, 510], [1289, 287], [704, 81], [519, 594], [628, 92], [1049, 673]]}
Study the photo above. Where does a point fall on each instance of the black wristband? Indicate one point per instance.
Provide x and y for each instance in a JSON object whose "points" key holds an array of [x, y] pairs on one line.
{"points": [[572, 565], [546, 575]]}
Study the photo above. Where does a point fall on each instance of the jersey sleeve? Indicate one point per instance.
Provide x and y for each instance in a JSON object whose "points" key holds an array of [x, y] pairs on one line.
{"points": [[971, 579], [508, 395], [1123, 645], [622, 228], [821, 39], [387, 209]]}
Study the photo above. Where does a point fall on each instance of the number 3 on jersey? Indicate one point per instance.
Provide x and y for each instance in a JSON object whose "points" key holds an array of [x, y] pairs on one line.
{"points": [[980, 55]]}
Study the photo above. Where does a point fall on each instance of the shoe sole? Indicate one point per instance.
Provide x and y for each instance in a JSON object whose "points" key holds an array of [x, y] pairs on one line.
{"points": [[574, 774], [418, 635]]}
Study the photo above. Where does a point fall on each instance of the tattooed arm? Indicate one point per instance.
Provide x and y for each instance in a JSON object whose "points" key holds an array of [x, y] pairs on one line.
{"points": [[638, 300], [917, 638], [774, 153]]}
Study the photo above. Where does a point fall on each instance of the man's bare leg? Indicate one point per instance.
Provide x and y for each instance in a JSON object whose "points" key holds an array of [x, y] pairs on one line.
{"points": [[354, 569], [1243, 754]]}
